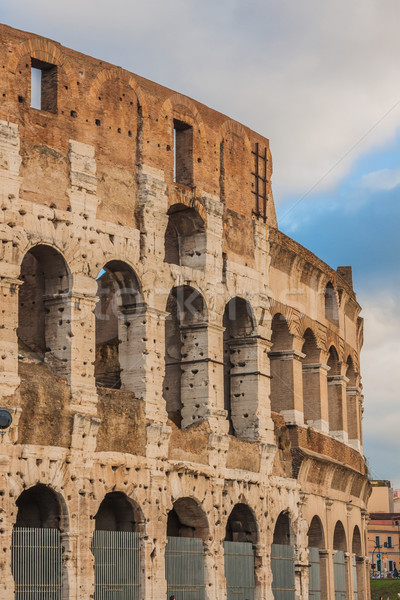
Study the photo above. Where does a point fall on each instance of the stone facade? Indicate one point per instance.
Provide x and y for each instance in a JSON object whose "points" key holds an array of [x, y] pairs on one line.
{"points": [[160, 338]]}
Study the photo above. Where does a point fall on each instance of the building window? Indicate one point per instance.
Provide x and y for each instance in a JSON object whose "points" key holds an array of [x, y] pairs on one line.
{"points": [[377, 541], [183, 153], [43, 86], [390, 541]]}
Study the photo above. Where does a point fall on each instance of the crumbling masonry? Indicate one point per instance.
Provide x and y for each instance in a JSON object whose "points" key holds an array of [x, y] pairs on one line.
{"points": [[178, 370]]}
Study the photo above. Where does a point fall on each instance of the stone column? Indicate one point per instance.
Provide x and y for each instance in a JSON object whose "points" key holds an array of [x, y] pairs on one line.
{"points": [[354, 417], [250, 389], [338, 407], [287, 385], [324, 558], [202, 376], [349, 575], [9, 379], [315, 396]]}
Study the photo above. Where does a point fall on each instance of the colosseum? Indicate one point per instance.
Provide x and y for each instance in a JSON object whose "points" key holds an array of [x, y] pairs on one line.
{"points": [[183, 379]]}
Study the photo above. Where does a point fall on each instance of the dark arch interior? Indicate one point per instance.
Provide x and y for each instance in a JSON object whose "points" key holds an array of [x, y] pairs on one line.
{"points": [[241, 525], [339, 537], [116, 513], [185, 242], [356, 545], [316, 534], [331, 306], [187, 519], [282, 530], [333, 362], [44, 274], [120, 297], [38, 507], [310, 348]]}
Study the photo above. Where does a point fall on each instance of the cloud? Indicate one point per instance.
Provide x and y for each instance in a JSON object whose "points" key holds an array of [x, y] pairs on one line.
{"points": [[314, 77], [384, 179]]}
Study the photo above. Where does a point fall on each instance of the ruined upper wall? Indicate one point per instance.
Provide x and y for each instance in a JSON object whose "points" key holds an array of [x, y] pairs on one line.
{"points": [[130, 122]]}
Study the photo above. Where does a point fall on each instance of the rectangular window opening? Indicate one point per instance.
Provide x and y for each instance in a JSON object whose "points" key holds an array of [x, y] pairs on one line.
{"points": [[183, 153], [390, 541], [378, 541], [43, 86]]}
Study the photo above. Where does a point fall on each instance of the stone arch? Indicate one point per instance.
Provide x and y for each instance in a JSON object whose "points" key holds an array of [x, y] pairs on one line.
{"points": [[229, 127], [44, 308], [241, 525], [356, 545], [353, 405], [316, 534], [281, 369], [339, 537], [335, 394], [331, 304], [239, 325], [36, 539], [118, 512], [41, 49], [177, 102], [185, 236], [312, 372], [187, 519], [118, 73], [120, 302], [283, 532], [282, 557], [185, 353]]}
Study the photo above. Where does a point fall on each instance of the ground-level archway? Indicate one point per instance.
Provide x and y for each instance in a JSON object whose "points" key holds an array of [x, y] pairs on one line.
{"points": [[116, 548], [282, 560], [36, 550], [240, 539], [317, 587], [339, 562], [187, 527]]}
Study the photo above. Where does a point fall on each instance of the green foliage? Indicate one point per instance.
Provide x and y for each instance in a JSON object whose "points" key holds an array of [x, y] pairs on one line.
{"points": [[385, 588]]}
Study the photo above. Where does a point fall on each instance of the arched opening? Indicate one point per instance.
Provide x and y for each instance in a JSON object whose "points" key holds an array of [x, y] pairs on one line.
{"points": [[187, 527], [36, 551], [318, 574], [339, 562], [239, 546], [331, 304], [311, 370], [353, 406], [44, 310], [120, 301], [185, 356], [281, 366], [282, 559], [357, 565], [335, 394], [238, 327], [116, 546], [185, 237]]}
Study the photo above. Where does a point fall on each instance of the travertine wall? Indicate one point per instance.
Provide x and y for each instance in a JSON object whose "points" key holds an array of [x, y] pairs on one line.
{"points": [[88, 184]]}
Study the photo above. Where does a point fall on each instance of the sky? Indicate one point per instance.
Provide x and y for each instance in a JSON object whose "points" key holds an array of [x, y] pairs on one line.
{"points": [[321, 80]]}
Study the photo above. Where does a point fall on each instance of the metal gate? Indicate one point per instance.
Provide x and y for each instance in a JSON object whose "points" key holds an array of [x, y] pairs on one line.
{"points": [[282, 566], [116, 565], [184, 568], [36, 563], [339, 570], [239, 570], [314, 589], [355, 583]]}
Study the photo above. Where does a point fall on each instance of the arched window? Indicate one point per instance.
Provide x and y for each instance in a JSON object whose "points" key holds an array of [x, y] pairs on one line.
{"points": [[238, 327], [357, 565], [281, 357], [282, 559], [331, 304], [44, 310], [187, 527], [185, 356], [120, 301], [36, 552], [239, 546], [353, 406], [335, 394], [311, 380], [318, 577], [116, 546], [185, 237], [339, 561]]}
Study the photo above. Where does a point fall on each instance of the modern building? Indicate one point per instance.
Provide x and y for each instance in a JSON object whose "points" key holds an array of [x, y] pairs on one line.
{"points": [[183, 378], [383, 529]]}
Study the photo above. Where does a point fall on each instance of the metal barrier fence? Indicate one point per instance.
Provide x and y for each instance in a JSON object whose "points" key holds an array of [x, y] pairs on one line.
{"points": [[282, 565], [184, 568], [339, 571], [239, 570], [116, 565], [36, 563], [314, 589]]}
